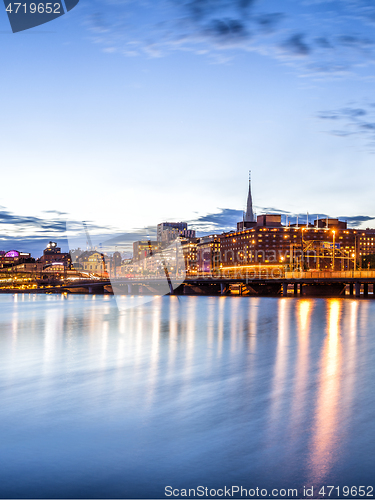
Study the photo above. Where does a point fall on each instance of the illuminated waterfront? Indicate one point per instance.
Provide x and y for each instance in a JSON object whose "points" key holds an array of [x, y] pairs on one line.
{"points": [[184, 391]]}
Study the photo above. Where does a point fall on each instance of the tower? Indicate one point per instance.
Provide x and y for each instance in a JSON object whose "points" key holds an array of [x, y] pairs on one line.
{"points": [[249, 214]]}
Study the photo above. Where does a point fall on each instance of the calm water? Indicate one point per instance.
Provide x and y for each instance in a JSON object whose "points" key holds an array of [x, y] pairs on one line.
{"points": [[183, 392]]}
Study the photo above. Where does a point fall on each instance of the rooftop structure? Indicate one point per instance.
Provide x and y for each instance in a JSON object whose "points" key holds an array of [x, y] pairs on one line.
{"points": [[169, 231], [249, 214]]}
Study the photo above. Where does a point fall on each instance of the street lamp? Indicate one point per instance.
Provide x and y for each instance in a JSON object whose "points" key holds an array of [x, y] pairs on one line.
{"points": [[305, 262]]}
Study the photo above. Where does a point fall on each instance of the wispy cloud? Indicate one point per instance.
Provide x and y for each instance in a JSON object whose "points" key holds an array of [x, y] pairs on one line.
{"points": [[223, 220], [31, 233], [296, 45], [327, 37], [358, 121]]}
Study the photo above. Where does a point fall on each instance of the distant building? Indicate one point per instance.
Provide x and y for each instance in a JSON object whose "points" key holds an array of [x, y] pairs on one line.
{"points": [[13, 258], [27, 267], [169, 231], [208, 254], [144, 248], [189, 249], [74, 254], [113, 264], [52, 256], [127, 268], [92, 262]]}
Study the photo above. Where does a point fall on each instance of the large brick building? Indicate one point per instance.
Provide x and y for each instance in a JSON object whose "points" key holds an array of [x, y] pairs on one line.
{"points": [[327, 245]]}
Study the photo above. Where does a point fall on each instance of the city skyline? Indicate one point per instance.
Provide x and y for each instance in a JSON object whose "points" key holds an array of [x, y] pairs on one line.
{"points": [[224, 220], [33, 233]]}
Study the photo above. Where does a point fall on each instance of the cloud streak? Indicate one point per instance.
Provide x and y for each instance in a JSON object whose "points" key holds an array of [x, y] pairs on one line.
{"points": [[352, 121], [329, 37], [31, 233]]}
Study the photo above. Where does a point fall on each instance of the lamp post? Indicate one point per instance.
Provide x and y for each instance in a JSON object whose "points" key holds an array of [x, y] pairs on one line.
{"points": [[304, 263]]}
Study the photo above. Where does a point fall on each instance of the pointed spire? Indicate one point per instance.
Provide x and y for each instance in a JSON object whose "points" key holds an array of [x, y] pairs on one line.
{"points": [[249, 215]]}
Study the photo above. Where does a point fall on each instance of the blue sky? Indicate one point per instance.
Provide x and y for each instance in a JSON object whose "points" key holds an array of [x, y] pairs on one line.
{"points": [[128, 113]]}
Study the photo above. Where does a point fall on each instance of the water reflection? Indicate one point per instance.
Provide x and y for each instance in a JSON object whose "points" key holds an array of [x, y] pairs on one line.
{"points": [[173, 334], [300, 404], [326, 427], [243, 390], [279, 381], [154, 354], [253, 320]]}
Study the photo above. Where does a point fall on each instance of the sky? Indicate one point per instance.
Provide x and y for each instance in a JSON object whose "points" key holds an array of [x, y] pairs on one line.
{"points": [[127, 113]]}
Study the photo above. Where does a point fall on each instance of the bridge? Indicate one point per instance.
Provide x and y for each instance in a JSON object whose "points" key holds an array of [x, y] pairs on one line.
{"points": [[301, 283]]}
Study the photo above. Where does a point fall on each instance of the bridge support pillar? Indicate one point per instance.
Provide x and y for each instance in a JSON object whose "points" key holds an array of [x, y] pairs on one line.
{"points": [[365, 289], [130, 289], [222, 289], [358, 289], [295, 288], [351, 288], [285, 289], [90, 289]]}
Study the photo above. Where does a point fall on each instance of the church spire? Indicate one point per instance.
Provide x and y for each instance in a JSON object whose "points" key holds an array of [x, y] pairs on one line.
{"points": [[249, 215]]}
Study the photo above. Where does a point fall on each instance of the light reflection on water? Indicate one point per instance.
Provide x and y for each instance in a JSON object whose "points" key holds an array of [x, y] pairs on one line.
{"points": [[326, 424], [184, 391]]}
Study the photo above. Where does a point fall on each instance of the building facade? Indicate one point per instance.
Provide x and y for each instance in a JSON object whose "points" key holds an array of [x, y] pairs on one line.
{"points": [[91, 262], [52, 256], [14, 258], [322, 245], [143, 249], [189, 248], [208, 255]]}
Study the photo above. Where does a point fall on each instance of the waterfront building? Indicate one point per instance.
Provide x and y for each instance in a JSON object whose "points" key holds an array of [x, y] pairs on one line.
{"points": [[189, 248], [92, 262], [304, 247], [208, 254], [366, 242], [27, 267], [14, 258], [52, 256], [325, 244]]}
